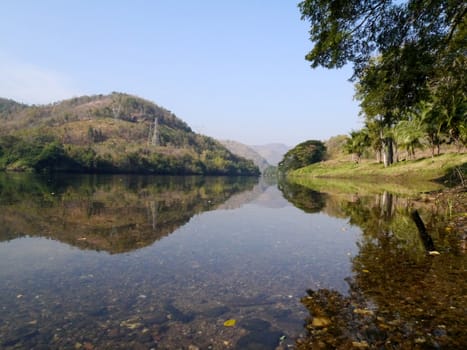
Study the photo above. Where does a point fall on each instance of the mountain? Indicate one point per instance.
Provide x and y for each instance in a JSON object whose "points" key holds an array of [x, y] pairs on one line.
{"points": [[116, 133], [272, 152], [246, 152]]}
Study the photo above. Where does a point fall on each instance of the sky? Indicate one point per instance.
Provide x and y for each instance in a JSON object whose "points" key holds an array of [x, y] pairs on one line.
{"points": [[230, 69]]}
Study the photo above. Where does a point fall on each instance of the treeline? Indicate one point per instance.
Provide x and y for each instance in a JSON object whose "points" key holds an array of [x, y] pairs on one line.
{"points": [[410, 68], [430, 123], [45, 153]]}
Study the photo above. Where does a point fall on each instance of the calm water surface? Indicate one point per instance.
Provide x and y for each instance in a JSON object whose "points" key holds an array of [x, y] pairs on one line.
{"points": [[110, 262]]}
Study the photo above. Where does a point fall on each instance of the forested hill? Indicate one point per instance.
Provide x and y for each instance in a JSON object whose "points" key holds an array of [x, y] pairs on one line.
{"points": [[116, 133]]}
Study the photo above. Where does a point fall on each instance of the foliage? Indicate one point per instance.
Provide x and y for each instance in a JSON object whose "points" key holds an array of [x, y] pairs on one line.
{"points": [[52, 157], [7, 107], [352, 31], [303, 154], [270, 172], [335, 146], [357, 143], [407, 56], [107, 134], [408, 134]]}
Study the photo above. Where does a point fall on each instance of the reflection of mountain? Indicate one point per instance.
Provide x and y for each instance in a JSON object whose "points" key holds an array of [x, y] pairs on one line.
{"points": [[239, 199], [111, 213], [264, 194], [271, 198]]}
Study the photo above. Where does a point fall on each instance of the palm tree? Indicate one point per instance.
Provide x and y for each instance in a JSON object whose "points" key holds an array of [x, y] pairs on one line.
{"points": [[408, 135], [358, 142]]}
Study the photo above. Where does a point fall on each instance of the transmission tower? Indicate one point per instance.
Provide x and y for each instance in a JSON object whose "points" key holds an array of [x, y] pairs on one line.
{"points": [[155, 133]]}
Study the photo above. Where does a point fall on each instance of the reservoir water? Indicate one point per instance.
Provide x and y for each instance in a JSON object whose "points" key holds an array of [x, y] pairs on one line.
{"points": [[129, 262]]}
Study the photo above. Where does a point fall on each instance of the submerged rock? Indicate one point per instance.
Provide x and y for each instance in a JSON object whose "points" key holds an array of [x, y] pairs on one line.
{"points": [[266, 340], [178, 315], [216, 311], [255, 324]]}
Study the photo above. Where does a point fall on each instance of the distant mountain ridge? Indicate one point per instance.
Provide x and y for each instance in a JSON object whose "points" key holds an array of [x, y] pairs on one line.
{"points": [[247, 152], [115, 133], [272, 152]]}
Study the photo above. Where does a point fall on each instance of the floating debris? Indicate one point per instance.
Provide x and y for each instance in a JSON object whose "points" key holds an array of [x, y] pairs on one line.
{"points": [[230, 323], [130, 324]]}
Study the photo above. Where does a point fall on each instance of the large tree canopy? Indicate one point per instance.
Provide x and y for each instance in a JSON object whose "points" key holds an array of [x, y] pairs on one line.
{"points": [[346, 31]]}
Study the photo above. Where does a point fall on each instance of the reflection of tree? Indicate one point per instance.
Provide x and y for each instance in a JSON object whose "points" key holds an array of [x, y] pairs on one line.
{"points": [[111, 213], [399, 297], [304, 198]]}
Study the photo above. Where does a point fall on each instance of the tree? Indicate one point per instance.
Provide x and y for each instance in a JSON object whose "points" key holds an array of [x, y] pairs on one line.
{"points": [[403, 53], [335, 146], [431, 121], [303, 154], [380, 103], [353, 31], [52, 157], [408, 134], [358, 143]]}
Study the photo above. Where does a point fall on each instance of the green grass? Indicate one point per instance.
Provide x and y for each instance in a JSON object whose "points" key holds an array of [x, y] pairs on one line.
{"points": [[404, 178], [424, 169]]}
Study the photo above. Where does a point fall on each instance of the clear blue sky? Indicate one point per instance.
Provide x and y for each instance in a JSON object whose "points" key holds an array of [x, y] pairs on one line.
{"points": [[230, 69]]}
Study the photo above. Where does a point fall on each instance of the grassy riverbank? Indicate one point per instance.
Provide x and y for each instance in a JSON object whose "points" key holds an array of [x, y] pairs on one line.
{"points": [[445, 167]]}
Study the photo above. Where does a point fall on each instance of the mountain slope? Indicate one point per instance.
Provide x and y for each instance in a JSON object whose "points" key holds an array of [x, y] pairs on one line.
{"points": [[109, 133], [272, 152], [246, 152]]}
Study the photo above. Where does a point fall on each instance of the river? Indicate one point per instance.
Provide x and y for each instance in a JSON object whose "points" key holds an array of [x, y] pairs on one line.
{"points": [[145, 262]]}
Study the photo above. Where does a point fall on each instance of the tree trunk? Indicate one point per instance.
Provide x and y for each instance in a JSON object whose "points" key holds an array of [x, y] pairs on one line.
{"points": [[396, 151], [388, 152]]}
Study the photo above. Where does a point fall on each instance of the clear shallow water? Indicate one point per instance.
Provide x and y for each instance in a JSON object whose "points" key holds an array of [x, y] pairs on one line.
{"points": [[139, 262]]}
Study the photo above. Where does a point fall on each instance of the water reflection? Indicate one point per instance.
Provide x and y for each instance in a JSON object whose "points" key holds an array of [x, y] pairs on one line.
{"points": [[399, 296], [309, 200], [249, 260], [111, 213], [237, 250]]}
